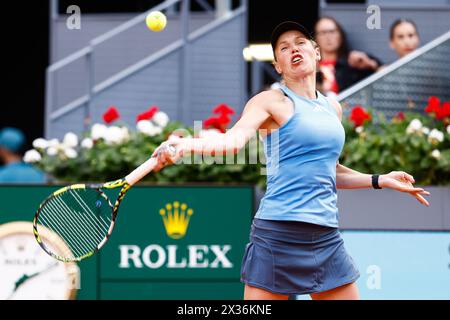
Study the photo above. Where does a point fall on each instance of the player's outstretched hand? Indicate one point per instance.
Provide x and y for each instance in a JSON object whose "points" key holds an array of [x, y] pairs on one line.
{"points": [[402, 181]]}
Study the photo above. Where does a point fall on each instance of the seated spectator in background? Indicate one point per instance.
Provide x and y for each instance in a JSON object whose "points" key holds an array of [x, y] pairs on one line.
{"points": [[340, 66], [404, 37], [14, 170]]}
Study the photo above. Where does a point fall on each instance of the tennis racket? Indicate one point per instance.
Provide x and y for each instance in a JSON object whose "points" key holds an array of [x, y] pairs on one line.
{"points": [[82, 215]]}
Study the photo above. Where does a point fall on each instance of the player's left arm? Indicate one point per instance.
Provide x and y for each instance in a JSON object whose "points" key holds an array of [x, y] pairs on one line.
{"points": [[347, 178]]}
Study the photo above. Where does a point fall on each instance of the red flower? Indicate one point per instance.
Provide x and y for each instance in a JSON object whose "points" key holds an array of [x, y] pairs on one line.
{"points": [[147, 115], [223, 109], [211, 122], [219, 123], [359, 115], [444, 111], [224, 120], [433, 105], [111, 115], [400, 116]]}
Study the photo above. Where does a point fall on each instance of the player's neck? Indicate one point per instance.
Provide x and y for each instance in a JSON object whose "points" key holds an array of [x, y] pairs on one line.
{"points": [[304, 87]]}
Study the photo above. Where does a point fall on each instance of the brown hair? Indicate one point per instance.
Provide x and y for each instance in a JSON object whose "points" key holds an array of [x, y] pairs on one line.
{"points": [[398, 22], [343, 49]]}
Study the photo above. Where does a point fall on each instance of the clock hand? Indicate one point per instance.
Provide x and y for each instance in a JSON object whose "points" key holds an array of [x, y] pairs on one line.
{"points": [[26, 277]]}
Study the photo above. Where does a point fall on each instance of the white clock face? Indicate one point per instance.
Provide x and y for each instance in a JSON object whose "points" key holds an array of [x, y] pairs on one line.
{"points": [[28, 272]]}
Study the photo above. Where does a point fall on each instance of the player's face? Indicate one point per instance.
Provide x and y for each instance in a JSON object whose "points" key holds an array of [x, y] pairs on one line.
{"points": [[296, 55], [405, 39]]}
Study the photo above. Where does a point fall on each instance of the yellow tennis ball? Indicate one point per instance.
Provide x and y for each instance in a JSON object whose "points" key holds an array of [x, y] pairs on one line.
{"points": [[156, 21]]}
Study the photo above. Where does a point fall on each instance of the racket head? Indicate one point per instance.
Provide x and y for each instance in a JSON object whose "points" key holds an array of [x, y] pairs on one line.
{"points": [[81, 215]]}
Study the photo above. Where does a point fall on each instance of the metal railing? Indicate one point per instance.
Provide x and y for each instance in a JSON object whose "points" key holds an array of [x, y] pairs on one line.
{"points": [[84, 62]]}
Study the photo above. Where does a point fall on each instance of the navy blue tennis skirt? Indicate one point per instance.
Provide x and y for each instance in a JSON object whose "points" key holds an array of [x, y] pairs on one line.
{"points": [[290, 257]]}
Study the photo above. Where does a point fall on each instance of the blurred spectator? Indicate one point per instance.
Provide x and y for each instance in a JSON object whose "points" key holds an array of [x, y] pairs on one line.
{"points": [[404, 37], [340, 67], [14, 170]]}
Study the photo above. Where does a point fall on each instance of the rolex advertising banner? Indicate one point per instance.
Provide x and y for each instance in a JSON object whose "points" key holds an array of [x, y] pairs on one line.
{"points": [[183, 242], [187, 243]]}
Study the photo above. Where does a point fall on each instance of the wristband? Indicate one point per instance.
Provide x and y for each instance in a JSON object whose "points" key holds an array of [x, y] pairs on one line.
{"points": [[375, 184]]}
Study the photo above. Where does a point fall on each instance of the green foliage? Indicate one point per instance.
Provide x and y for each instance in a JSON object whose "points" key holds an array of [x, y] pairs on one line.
{"points": [[388, 146], [108, 161]]}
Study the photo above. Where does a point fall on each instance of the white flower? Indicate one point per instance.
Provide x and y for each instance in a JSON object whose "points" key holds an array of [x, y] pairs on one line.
{"points": [[414, 126], [52, 151], [436, 154], [70, 153], [435, 136], [156, 131], [40, 143], [116, 135], [125, 134], [426, 130], [32, 156], [87, 143], [359, 129], [161, 119], [53, 143], [146, 127], [98, 131], [448, 129], [70, 140]]}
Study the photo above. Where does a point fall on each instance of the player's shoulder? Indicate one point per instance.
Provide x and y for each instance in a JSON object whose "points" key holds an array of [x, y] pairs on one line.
{"points": [[271, 94], [336, 105], [267, 98]]}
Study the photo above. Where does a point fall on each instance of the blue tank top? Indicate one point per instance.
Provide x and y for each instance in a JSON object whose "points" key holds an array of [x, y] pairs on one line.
{"points": [[301, 158]]}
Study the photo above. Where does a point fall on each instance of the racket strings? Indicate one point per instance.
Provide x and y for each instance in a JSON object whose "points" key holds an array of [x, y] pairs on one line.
{"points": [[81, 217]]}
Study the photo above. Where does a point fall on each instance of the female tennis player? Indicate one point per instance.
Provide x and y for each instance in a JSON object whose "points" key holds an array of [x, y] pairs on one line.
{"points": [[295, 246]]}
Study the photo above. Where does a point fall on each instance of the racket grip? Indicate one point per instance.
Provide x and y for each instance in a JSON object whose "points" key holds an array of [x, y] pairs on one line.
{"points": [[146, 167], [141, 171]]}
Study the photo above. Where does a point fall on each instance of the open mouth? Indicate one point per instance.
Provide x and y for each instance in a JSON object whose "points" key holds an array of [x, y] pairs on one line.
{"points": [[297, 58]]}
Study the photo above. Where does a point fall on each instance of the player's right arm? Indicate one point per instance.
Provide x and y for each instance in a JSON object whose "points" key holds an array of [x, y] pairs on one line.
{"points": [[258, 110]]}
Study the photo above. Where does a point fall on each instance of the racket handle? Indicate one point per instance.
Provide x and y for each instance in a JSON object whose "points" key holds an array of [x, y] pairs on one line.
{"points": [[141, 171], [146, 167]]}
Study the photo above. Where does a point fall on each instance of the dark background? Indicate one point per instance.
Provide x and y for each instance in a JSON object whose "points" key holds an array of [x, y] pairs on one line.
{"points": [[26, 47], [25, 44]]}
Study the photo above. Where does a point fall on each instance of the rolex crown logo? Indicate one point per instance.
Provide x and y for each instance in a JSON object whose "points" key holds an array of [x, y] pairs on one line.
{"points": [[176, 219]]}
